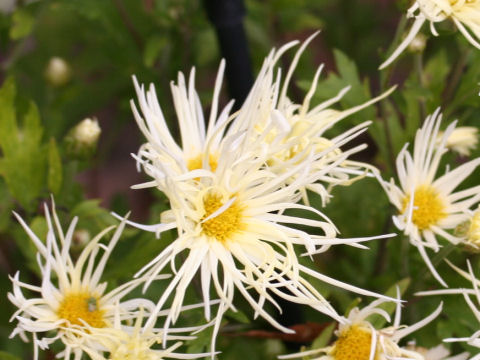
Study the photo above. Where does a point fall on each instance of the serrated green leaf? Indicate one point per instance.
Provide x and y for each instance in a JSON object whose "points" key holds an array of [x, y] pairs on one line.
{"points": [[379, 321], [55, 175], [22, 25], [24, 161], [6, 356], [323, 339]]}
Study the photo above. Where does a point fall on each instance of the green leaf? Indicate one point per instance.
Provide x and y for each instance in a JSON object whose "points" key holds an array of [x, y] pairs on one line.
{"points": [[24, 163], [323, 339], [6, 356], [379, 321], [55, 175], [237, 316], [22, 24]]}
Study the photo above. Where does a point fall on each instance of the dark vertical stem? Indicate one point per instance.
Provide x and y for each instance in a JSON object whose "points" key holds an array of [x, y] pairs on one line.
{"points": [[227, 18]]}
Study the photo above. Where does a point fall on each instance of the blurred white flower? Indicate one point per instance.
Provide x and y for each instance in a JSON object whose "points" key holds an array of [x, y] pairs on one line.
{"points": [[427, 205], [71, 296], [358, 339], [464, 13], [462, 140]]}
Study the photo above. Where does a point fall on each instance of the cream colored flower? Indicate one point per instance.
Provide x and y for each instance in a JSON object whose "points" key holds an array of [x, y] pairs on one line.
{"points": [[427, 204], [233, 233], [302, 129], [464, 13], [71, 296], [462, 140], [358, 339], [268, 115]]}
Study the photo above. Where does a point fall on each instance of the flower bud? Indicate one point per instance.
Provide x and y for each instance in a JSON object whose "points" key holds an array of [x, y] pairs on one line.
{"points": [[82, 139], [462, 140], [58, 72], [418, 43]]}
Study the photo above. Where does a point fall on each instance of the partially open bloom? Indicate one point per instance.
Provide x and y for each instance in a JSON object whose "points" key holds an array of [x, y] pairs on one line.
{"points": [[462, 140], [71, 296], [358, 339], [427, 205], [464, 13]]}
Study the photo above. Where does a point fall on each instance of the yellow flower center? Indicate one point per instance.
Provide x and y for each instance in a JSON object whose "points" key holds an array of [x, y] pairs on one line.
{"points": [[197, 163], [353, 344], [76, 306], [428, 208], [222, 226]]}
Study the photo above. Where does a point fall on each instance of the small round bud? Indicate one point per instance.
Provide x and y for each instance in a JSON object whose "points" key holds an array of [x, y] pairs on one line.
{"points": [[82, 139], [418, 43], [80, 238], [58, 72]]}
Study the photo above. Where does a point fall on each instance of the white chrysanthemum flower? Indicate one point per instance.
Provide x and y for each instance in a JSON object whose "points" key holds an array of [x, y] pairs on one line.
{"points": [[464, 13], [358, 339], [138, 342], [462, 140], [427, 205], [474, 339], [71, 295], [304, 129], [237, 237]]}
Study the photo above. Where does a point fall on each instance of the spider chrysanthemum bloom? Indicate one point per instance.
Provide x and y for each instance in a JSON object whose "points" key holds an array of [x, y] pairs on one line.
{"points": [[267, 113], [427, 205], [233, 232], [464, 13], [71, 296], [303, 128], [357, 339]]}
